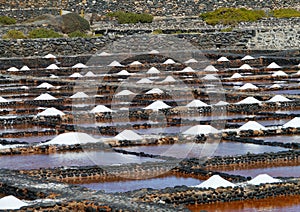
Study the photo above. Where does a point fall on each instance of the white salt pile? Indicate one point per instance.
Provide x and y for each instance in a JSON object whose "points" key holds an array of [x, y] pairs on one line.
{"points": [[45, 85], [192, 60], [155, 91], [279, 74], [252, 125], [144, 81], [51, 112], [135, 63], [3, 99], [11, 203], [153, 70], [52, 67], [249, 100], [53, 76], [248, 57], [75, 75], [279, 98], [273, 65], [115, 64], [295, 123], [25, 68], [210, 68], [236, 76], [169, 61], [49, 56], [123, 73], [104, 54], [89, 74], [187, 69], [157, 105], [275, 86], [248, 86], [71, 138], [13, 69], [125, 93], [209, 77], [79, 65], [223, 59], [215, 181], [128, 135], [168, 79], [200, 129], [101, 109], [45, 96], [196, 103], [263, 178], [154, 52], [245, 67], [79, 95], [222, 103]]}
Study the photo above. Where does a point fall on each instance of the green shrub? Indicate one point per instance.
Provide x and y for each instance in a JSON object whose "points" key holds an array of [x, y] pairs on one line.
{"points": [[131, 18], [228, 29], [78, 33], [232, 16], [285, 13], [73, 22], [43, 33], [14, 34], [157, 31], [4, 20]]}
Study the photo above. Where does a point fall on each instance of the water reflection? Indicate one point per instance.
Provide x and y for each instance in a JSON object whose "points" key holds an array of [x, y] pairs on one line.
{"points": [[155, 183], [281, 138]]}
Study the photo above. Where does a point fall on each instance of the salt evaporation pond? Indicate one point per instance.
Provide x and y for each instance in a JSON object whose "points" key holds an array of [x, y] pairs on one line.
{"points": [[274, 204], [155, 183], [194, 150], [32, 139], [282, 171], [90, 158], [280, 138]]}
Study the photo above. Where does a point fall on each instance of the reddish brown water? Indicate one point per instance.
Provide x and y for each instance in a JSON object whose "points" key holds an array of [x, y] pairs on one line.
{"points": [[278, 204]]}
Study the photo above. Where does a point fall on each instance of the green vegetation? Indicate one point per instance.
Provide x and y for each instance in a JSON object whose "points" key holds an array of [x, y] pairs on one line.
{"points": [[232, 16], [228, 29], [157, 31], [285, 13], [44, 33], [73, 22], [4, 20], [14, 34], [78, 33], [131, 18]]}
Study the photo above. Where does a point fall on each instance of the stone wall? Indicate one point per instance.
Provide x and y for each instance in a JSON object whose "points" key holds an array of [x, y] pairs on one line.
{"points": [[25, 14]]}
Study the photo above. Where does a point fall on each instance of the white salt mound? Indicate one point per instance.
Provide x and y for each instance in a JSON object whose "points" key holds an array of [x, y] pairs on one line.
{"points": [[125, 93], [154, 52], [45, 85], [79, 95], [153, 70], [249, 100], [115, 64], [169, 79], [248, 86], [279, 98], [52, 67], [210, 68], [71, 138], [51, 112], [279, 73], [3, 99], [128, 135], [215, 181], [200, 129], [220, 103], [223, 59], [187, 69], [13, 69], [45, 96], [252, 125], [245, 67], [273, 65], [49, 56], [155, 91], [192, 60], [123, 73], [79, 65], [144, 81], [248, 57], [101, 109], [135, 63], [275, 86], [25, 68], [104, 54], [263, 178], [196, 103], [295, 123], [210, 77], [157, 105], [169, 61], [76, 75], [236, 76], [11, 203], [89, 74], [53, 76]]}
